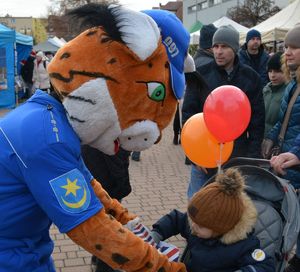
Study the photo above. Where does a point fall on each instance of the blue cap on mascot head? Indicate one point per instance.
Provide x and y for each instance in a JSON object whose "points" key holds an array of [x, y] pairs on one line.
{"points": [[176, 40]]}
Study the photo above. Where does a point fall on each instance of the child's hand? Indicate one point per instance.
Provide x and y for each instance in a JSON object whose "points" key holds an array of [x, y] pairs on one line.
{"points": [[132, 223], [156, 236]]}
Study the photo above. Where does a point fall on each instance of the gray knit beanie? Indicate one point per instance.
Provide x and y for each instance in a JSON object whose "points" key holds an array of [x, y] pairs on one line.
{"points": [[227, 35], [292, 38]]}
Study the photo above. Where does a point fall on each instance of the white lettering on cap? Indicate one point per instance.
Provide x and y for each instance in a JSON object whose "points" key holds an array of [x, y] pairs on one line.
{"points": [[172, 48]]}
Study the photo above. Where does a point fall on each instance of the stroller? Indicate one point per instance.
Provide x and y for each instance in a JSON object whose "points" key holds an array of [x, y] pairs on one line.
{"points": [[277, 205]]}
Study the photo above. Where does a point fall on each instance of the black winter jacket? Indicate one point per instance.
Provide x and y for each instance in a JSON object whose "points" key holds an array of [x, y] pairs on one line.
{"points": [[111, 171], [202, 57], [260, 65], [195, 94], [245, 78]]}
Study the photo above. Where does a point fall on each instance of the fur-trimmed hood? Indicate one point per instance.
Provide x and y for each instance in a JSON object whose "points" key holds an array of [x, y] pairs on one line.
{"points": [[245, 225]]}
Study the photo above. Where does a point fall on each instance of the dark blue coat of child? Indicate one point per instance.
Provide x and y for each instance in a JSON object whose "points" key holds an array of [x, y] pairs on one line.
{"points": [[232, 245]]}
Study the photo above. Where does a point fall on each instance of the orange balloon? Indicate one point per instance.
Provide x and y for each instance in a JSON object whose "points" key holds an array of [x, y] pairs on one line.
{"points": [[200, 146]]}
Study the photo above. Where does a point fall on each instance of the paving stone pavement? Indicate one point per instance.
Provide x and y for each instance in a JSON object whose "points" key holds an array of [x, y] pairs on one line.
{"points": [[159, 184]]}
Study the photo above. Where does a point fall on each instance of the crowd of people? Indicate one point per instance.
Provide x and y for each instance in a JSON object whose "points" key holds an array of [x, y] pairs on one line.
{"points": [[271, 83], [34, 72]]}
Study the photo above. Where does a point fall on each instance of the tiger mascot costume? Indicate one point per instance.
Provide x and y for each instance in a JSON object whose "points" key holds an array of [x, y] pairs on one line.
{"points": [[116, 84]]}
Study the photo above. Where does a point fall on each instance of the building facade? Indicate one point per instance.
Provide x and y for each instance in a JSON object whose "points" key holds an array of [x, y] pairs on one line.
{"points": [[22, 25], [208, 11], [35, 27]]}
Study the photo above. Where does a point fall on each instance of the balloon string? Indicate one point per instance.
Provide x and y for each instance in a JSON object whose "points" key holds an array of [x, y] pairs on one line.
{"points": [[219, 162]]}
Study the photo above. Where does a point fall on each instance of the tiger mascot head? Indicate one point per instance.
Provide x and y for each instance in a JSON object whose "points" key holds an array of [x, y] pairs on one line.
{"points": [[120, 79]]}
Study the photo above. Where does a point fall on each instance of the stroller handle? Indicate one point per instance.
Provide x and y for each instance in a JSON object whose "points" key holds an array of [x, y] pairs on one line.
{"points": [[263, 163]]}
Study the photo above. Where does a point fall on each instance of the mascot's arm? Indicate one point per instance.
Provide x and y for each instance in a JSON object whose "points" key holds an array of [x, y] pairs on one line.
{"points": [[106, 238], [112, 206]]}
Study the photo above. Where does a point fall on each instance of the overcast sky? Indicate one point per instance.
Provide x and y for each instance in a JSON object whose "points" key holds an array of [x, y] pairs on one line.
{"points": [[38, 8]]}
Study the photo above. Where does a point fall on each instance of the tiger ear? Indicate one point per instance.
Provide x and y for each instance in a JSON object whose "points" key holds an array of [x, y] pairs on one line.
{"points": [[139, 31]]}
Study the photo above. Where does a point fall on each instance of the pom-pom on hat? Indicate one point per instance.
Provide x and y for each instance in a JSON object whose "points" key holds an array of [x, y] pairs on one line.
{"points": [[219, 205], [176, 39], [227, 35], [206, 35], [252, 34], [274, 62]]}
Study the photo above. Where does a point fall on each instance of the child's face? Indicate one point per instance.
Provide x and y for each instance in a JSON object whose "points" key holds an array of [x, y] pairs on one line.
{"points": [[276, 77], [201, 232]]}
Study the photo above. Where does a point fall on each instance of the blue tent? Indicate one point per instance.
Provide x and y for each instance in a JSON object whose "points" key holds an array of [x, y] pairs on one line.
{"points": [[24, 47], [9, 42]]}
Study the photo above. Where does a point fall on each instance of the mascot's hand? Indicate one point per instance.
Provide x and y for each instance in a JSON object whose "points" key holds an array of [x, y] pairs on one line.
{"points": [[112, 206], [106, 238], [132, 223]]}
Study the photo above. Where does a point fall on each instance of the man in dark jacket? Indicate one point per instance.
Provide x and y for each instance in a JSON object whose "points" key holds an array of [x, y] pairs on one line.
{"points": [[205, 54], [253, 54], [27, 72], [113, 174], [226, 69]]}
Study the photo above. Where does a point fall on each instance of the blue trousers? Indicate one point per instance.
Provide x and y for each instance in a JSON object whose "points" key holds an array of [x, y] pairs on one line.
{"points": [[197, 180]]}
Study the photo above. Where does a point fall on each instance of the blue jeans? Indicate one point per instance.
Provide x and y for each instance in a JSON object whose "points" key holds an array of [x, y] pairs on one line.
{"points": [[198, 178]]}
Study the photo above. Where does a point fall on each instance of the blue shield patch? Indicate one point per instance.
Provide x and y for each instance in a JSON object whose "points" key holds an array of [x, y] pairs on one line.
{"points": [[71, 191]]}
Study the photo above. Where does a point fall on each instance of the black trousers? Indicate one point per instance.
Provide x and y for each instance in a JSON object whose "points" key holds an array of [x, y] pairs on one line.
{"points": [[176, 122]]}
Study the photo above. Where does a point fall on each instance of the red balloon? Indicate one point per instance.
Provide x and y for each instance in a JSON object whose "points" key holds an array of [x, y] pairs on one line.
{"points": [[227, 113]]}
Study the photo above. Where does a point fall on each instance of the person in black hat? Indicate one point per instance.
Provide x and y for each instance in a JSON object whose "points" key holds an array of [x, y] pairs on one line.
{"points": [[204, 54], [273, 91], [253, 54]]}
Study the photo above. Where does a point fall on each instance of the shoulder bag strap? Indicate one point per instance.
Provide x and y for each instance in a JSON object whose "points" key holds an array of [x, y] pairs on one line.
{"points": [[287, 116]]}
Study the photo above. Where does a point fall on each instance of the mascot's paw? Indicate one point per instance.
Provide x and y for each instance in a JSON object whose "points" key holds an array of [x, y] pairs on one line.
{"points": [[103, 236]]}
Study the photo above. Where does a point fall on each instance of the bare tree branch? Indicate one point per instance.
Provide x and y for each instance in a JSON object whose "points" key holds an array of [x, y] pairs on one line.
{"points": [[252, 12]]}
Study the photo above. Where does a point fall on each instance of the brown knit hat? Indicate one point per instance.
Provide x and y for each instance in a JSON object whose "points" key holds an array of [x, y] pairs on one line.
{"points": [[219, 206], [292, 38]]}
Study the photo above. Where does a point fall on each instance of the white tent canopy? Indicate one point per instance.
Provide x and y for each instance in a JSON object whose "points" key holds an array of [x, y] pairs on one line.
{"points": [[51, 45], [275, 28], [57, 42], [226, 21], [220, 22]]}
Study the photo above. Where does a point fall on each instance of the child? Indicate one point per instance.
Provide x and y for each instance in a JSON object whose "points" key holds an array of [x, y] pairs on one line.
{"points": [[273, 91], [218, 228]]}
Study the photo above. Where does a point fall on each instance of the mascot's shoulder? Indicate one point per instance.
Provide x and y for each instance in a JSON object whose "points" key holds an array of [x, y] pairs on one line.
{"points": [[35, 126]]}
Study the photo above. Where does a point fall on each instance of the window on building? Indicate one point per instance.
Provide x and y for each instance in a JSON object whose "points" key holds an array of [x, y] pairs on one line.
{"points": [[203, 5], [192, 9]]}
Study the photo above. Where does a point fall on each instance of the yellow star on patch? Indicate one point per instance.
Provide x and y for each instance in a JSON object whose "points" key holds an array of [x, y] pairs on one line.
{"points": [[71, 187]]}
